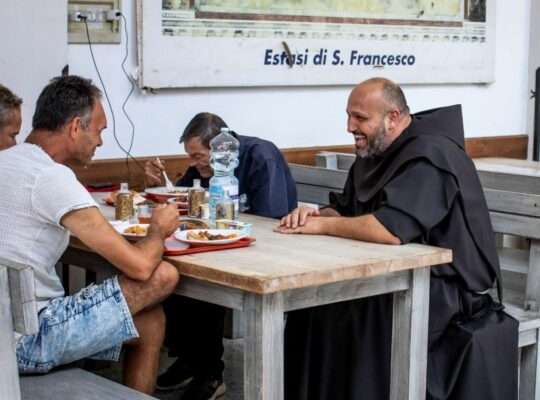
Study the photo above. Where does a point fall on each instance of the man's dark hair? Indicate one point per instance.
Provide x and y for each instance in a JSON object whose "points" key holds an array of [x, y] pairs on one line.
{"points": [[204, 125], [8, 103], [63, 99], [392, 94]]}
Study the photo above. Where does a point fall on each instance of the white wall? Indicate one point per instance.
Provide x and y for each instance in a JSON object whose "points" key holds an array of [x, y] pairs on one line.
{"points": [[28, 59], [309, 116]]}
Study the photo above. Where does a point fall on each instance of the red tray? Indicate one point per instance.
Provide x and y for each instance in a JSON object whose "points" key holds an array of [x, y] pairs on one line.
{"points": [[174, 247]]}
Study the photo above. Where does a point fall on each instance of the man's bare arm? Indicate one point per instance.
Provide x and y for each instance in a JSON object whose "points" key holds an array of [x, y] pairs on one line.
{"points": [[365, 227], [135, 261]]}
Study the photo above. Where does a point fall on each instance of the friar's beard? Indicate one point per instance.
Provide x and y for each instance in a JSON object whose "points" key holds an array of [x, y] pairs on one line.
{"points": [[376, 144]]}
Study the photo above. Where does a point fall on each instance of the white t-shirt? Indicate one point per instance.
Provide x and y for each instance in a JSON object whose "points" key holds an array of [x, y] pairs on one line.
{"points": [[35, 193]]}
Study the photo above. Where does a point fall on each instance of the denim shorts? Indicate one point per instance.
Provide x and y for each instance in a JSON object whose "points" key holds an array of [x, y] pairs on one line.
{"points": [[92, 323]]}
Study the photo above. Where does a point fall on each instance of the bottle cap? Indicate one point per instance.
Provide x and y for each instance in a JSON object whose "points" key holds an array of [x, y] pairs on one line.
{"points": [[124, 187], [196, 183]]}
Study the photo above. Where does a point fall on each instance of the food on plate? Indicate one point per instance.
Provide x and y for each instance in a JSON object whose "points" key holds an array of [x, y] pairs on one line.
{"points": [[187, 223], [206, 235], [136, 230]]}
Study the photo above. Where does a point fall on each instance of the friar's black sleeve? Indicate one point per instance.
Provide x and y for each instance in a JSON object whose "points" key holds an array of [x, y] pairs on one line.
{"points": [[417, 200]]}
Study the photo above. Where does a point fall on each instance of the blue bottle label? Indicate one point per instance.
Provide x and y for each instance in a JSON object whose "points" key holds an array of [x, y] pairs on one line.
{"points": [[217, 194]]}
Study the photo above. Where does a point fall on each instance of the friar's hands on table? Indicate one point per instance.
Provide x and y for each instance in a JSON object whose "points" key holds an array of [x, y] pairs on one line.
{"points": [[302, 220]]}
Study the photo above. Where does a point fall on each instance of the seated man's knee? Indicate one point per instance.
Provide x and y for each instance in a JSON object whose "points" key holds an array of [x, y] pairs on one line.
{"points": [[167, 277]]}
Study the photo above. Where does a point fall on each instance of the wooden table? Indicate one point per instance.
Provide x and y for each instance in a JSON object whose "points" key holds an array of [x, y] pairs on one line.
{"points": [[281, 273]]}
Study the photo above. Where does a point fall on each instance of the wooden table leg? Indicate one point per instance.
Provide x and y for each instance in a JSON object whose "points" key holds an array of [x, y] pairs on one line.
{"points": [[532, 291], [410, 339], [263, 349], [9, 375]]}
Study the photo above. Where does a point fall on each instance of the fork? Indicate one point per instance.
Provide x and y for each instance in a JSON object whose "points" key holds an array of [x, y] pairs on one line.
{"points": [[168, 184]]}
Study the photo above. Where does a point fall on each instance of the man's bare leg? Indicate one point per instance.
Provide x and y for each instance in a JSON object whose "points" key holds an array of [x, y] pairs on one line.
{"points": [[141, 358], [143, 298]]}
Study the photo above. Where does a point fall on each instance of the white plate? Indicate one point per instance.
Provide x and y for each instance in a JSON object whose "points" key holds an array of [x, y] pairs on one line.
{"points": [[121, 227], [182, 236], [164, 192]]}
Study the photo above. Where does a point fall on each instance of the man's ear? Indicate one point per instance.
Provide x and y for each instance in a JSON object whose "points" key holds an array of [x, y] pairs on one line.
{"points": [[393, 118], [73, 127]]}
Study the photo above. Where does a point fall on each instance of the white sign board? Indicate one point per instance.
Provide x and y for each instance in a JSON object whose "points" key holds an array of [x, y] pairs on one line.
{"points": [[201, 43]]}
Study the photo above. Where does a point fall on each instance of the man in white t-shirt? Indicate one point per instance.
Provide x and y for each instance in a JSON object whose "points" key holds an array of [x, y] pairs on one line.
{"points": [[41, 204]]}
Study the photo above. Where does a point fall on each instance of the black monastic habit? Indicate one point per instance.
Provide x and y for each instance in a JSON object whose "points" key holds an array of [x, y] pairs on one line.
{"points": [[423, 189]]}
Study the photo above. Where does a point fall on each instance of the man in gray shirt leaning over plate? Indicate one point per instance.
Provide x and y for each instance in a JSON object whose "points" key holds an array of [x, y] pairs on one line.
{"points": [[41, 204]]}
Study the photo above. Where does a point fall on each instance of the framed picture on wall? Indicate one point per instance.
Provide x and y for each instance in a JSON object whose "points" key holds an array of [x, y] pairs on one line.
{"points": [[201, 43]]}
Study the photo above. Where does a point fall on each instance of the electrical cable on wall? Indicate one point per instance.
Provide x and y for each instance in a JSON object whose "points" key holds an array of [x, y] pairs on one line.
{"points": [[127, 152], [131, 81]]}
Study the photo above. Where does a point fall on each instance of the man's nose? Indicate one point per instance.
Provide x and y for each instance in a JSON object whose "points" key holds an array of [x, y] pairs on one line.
{"points": [[350, 126]]}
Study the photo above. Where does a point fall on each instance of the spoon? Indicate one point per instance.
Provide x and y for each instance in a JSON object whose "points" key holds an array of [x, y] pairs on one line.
{"points": [[168, 184]]}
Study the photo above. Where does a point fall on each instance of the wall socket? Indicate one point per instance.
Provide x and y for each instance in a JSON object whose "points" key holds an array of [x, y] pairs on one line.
{"points": [[94, 16], [102, 17]]}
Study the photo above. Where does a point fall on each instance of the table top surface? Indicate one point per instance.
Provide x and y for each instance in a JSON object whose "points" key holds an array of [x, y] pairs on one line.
{"points": [[277, 262], [508, 166]]}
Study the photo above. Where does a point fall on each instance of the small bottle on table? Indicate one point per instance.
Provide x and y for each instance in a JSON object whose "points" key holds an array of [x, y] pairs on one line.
{"points": [[124, 203]]}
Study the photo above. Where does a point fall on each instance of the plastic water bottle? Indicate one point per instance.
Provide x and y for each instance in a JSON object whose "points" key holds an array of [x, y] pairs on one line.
{"points": [[224, 149]]}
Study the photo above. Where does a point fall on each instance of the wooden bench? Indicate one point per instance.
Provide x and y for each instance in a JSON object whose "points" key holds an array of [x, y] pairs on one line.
{"points": [[332, 160], [520, 176], [518, 214], [529, 368], [512, 189], [313, 184], [511, 213], [18, 312]]}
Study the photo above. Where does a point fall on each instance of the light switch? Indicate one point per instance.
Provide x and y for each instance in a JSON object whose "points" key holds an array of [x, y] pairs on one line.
{"points": [[103, 25]]}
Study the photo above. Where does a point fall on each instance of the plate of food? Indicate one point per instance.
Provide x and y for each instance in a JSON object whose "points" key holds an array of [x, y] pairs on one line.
{"points": [[132, 231], [209, 236], [162, 193]]}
